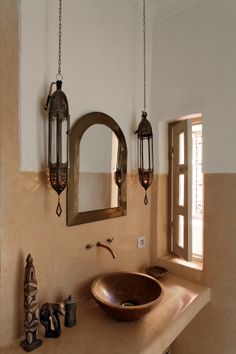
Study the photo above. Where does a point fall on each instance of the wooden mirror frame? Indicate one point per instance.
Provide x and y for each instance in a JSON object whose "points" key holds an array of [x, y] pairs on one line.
{"points": [[74, 217]]}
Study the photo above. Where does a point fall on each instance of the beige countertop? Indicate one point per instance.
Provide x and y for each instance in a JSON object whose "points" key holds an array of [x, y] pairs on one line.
{"points": [[96, 333]]}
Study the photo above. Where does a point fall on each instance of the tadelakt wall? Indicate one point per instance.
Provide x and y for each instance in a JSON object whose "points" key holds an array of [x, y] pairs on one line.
{"points": [[101, 72], [194, 57], [192, 71]]}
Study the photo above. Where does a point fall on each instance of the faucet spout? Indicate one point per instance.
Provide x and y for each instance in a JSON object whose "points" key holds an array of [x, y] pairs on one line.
{"points": [[99, 244]]}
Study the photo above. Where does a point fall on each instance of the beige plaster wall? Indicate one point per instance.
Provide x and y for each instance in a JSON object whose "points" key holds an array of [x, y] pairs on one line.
{"points": [[158, 222], [213, 330], [28, 220], [95, 191]]}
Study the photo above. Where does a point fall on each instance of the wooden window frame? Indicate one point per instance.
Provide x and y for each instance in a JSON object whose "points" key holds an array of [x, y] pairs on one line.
{"points": [[186, 251]]}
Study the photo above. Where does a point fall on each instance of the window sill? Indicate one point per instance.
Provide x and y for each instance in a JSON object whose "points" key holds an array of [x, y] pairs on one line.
{"points": [[181, 261], [188, 270]]}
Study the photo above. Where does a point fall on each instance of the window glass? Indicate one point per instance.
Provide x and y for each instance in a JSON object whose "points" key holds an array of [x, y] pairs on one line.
{"points": [[181, 231], [181, 189], [181, 148]]}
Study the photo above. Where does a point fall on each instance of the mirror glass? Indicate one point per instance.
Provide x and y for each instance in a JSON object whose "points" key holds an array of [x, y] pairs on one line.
{"points": [[97, 174], [97, 166]]}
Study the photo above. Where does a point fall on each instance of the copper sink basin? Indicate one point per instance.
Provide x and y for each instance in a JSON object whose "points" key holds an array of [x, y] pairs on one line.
{"points": [[126, 296]]}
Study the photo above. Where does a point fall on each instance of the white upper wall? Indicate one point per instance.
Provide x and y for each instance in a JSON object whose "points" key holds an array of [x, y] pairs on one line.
{"points": [[101, 65], [194, 70]]}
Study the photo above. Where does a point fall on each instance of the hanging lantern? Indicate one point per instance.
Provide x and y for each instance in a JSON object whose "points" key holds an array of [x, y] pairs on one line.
{"points": [[145, 154], [59, 127], [144, 132]]}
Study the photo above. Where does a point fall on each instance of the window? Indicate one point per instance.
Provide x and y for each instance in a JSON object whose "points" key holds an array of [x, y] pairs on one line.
{"points": [[186, 189]]}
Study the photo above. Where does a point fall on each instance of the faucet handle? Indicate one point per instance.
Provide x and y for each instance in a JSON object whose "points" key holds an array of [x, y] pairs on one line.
{"points": [[110, 240], [89, 246]]}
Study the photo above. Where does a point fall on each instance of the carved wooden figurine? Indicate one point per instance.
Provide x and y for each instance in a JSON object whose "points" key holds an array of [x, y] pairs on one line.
{"points": [[50, 319], [31, 308]]}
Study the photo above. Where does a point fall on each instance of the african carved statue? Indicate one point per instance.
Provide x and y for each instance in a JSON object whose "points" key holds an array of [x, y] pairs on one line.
{"points": [[50, 319]]}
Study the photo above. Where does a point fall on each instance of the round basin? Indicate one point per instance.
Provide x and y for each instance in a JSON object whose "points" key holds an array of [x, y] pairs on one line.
{"points": [[126, 296]]}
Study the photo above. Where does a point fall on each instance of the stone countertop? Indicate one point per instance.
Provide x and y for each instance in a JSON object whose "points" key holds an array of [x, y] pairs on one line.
{"points": [[96, 333]]}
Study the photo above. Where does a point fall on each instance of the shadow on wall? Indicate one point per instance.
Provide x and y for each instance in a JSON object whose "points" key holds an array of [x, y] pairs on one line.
{"points": [[44, 120], [19, 298]]}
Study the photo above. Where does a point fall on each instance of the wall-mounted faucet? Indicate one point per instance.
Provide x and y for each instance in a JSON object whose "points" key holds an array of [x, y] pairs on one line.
{"points": [[99, 244]]}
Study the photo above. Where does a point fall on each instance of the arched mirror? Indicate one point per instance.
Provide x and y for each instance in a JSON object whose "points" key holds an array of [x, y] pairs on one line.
{"points": [[97, 173]]}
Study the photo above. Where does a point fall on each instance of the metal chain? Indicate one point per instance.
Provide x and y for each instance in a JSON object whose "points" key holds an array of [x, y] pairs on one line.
{"points": [[144, 56], [59, 75]]}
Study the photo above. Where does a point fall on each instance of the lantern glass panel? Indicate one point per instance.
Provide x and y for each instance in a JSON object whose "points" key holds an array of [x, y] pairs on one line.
{"points": [[64, 141], [145, 158], [53, 141]]}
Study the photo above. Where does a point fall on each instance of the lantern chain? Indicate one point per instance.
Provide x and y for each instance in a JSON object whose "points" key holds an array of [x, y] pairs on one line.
{"points": [[144, 56], [59, 75]]}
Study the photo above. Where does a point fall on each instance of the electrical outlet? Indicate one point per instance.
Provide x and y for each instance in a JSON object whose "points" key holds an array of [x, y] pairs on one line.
{"points": [[141, 242]]}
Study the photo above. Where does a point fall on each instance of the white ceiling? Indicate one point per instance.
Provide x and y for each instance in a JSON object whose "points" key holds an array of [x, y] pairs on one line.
{"points": [[168, 8], [163, 9]]}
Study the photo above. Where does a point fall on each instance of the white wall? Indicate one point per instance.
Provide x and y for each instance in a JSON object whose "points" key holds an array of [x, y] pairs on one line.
{"points": [[96, 149], [101, 65], [194, 56], [193, 70]]}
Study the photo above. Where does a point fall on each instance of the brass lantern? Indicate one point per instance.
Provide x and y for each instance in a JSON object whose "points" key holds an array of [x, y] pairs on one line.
{"points": [[145, 154], [59, 126]]}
